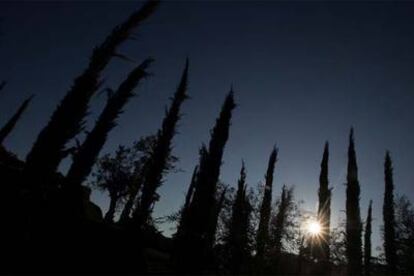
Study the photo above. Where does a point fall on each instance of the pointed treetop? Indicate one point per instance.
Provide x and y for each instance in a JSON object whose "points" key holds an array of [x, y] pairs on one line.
{"points": [[283, 190], [351, 141], [387, 157], [369, 217], [274, 153], [133, 78], [243, 167], [326, 149], [230, 98], [145, 64], [181, 95], [228, 104], [271, 166], [187, 63], [185, 71], [273, 157], [242, 173], [325, 156], [351, 135], [351, 149]]}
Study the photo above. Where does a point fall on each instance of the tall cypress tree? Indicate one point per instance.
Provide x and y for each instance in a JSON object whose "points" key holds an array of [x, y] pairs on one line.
{"points": [[280, 219], [389, 217], [181, 228], [324, 207], [85, 157], [9, 126], [145, 146], [262, 238], [129, 204], [367, 241], [157, 163], [353, 216], [192, 245], [238, 236], [218, 206], [191, 188], [68, 119]]}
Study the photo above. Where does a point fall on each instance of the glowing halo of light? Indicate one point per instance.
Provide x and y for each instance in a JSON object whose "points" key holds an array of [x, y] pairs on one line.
{"points": [[314, 228]]}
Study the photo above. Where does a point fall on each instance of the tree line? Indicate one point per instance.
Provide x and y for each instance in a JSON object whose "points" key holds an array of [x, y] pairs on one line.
{"points": [[51, 225]]}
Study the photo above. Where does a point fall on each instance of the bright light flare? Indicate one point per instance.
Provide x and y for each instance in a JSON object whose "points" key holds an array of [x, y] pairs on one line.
{"points": [[314, 228]]}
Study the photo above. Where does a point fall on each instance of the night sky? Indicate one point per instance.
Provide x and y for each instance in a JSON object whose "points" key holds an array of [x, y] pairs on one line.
{"points": [[303, 73]]}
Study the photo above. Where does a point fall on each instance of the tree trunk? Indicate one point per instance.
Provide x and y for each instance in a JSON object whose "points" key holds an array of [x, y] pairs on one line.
{"points": [[109, 216], [128, 207]]}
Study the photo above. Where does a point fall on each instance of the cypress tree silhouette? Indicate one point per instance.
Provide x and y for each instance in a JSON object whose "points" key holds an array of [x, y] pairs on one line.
{"points": [[85, 157], [68, 119], [192, 245], [238, 237], [157, 163], [189, 198], [367, 241], [353, 217], [144, 145], [324, 206], [211, 234], [191, 188], [389, 217], [280, 220], [9, 126], [126, 211], [262, 238]]}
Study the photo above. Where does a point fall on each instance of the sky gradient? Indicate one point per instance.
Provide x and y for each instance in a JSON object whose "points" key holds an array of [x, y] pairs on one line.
{"points": [[303, 73]]}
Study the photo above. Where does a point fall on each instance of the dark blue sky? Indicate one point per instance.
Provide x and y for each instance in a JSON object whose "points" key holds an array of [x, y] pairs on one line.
{"points": [[303, 73]]}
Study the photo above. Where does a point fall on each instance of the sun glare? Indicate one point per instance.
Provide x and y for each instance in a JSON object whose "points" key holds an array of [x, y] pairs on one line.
{"points": [[314, 228]]}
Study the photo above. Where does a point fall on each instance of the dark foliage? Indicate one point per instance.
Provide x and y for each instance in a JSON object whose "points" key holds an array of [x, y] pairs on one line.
{"points": [[238, 236], [157, 163], [143, 149], [50, 224], [184, 213], [119, 174], [86, 155], [44, 216], [214, 220], [404, 217], [280, 220], [68, 119], [367, 241], [191, 188], [389, 217], [88, 152], [353, 217], [324, 207], [262, 239], [338, 244], [192, 245]]}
